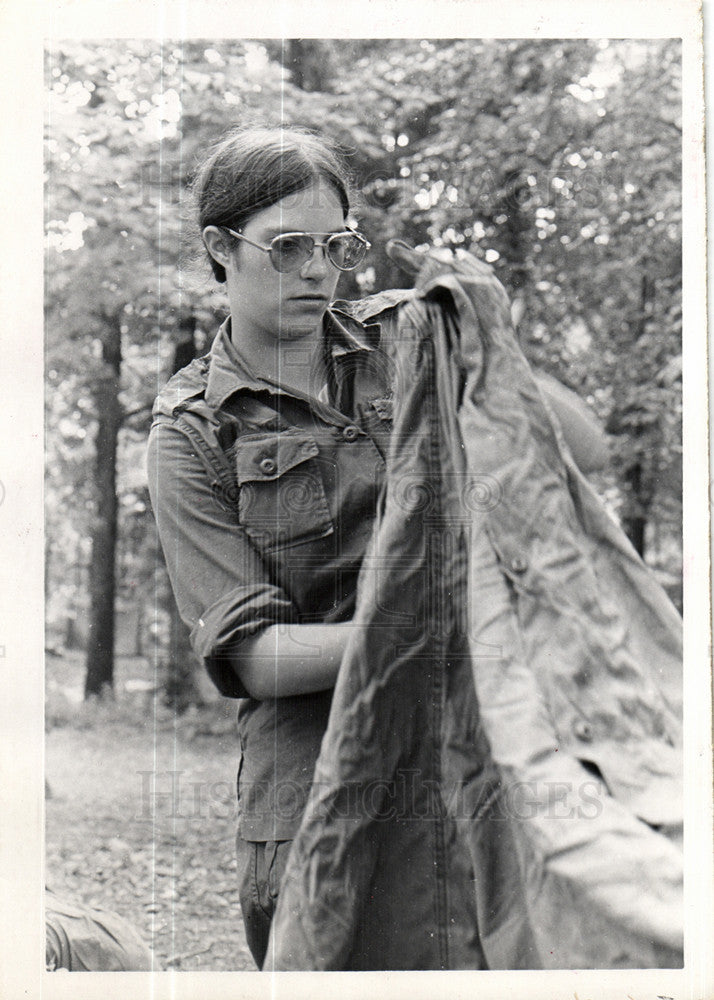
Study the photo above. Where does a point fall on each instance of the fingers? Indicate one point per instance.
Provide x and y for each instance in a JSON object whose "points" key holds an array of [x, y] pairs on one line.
{"points": [[405, 257]]}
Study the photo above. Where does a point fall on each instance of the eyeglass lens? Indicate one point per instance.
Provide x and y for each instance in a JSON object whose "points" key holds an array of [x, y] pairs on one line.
{"points": [[343, 250]]}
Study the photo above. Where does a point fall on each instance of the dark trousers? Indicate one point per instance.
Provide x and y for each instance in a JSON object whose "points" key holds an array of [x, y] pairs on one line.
{"points": [[261, 866]]}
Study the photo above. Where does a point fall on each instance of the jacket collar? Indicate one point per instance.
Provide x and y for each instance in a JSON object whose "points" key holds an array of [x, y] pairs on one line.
{"points": [[229, 371]]}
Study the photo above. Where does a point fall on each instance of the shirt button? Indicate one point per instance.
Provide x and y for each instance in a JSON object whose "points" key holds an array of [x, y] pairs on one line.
{"points": [[519, 564], [350, 433], [267, 466], [583, 730]]}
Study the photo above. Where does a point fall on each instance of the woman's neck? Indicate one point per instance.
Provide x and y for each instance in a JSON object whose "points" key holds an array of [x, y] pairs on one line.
{"points": [[297, 363]]}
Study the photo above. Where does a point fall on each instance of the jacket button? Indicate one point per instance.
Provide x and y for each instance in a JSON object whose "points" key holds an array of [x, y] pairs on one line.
{"points": [[267, 466], [519, 564], [583, 730], [350, 433]]}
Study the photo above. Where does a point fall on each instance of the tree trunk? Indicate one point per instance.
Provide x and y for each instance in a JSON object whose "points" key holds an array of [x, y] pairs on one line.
{"points": [[634, 521], [99, 677], [636, 514], [515, 229], [309, 62]]}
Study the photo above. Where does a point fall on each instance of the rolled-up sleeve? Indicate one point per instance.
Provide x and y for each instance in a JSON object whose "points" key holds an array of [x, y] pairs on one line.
{"points": [[221, 585]]}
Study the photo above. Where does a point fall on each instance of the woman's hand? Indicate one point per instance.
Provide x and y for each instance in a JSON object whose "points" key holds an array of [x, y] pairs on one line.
{"points": [[286, 660]]}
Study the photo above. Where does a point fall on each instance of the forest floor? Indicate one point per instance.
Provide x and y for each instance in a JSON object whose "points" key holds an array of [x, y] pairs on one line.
{"points": [[141, 815]]}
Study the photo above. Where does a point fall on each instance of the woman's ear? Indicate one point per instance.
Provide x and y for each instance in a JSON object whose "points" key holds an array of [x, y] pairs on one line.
{"points": [[218, 244]]}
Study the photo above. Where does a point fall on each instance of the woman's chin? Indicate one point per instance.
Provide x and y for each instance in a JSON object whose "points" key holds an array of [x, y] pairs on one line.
{"points": [[299, 330]]}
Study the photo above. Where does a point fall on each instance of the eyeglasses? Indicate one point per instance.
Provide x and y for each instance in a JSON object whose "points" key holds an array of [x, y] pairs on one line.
{"points": [[290, 251]]}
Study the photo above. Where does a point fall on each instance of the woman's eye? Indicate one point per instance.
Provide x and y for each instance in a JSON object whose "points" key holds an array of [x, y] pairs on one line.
{"points": [[290, 244]]}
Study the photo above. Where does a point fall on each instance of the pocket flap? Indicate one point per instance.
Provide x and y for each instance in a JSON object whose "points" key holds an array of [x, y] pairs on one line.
{"points": [[260, 457]]}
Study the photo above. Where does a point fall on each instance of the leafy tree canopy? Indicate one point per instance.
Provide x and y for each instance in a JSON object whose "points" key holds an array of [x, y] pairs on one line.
{"points": [[558, 161]]}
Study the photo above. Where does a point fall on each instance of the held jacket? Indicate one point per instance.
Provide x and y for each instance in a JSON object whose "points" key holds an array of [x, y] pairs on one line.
{"points": [[498, 785]]}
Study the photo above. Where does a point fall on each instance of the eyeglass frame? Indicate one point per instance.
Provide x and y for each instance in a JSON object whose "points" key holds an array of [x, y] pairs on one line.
{"points": [[269, 249]]}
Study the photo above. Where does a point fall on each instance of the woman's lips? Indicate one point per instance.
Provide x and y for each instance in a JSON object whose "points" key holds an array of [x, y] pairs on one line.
{"points": [[318, 301]]}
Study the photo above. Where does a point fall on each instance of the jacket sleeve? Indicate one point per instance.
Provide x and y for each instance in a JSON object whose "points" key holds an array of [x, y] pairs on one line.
{"points": [[584, 436], [221, 585]]}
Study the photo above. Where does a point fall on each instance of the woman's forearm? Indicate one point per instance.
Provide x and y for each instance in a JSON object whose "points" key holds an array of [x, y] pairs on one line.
{"points": [[286, 660]]}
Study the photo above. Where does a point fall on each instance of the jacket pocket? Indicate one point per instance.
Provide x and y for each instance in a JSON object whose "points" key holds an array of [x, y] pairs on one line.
{"points": [[281, 500]]}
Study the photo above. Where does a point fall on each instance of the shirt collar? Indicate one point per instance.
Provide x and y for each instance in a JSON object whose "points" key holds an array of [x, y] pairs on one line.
{"points": [[230, 372]]}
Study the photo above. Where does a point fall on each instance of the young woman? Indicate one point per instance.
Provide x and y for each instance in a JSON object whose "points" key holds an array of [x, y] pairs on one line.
{"points": [[266, 460], [291, 399]]}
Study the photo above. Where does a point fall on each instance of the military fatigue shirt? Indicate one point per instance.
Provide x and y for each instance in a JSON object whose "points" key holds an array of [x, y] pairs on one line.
{"points": [[286, 548]]}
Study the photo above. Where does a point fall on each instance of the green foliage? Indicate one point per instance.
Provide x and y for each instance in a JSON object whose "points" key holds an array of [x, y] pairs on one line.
{"points": [[558, 161]]}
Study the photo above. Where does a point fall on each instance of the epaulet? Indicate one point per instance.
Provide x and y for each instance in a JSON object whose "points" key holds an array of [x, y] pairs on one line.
{"points": [[186, 385]]}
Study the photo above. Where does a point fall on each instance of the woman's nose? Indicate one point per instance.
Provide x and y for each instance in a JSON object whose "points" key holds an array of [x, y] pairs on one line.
{"points": [[317, 264]]}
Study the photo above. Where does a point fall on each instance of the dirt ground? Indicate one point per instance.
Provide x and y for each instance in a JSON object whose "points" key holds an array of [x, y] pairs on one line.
{"points": [[141, 815]]}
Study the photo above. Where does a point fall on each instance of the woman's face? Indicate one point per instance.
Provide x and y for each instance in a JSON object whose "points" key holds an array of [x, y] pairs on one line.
{"points": [[266, 303]]}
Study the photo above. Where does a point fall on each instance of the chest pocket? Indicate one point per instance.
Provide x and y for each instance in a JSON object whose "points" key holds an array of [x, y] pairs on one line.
{"points": [[281, 499]]}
